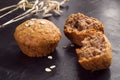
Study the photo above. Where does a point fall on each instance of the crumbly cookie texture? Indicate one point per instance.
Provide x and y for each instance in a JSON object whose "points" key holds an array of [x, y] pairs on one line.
{"points": [[95, 53], [75, 23], [37, 37]]}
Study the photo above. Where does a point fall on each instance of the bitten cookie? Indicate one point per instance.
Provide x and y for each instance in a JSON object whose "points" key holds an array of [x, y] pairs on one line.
{"points": [[75, 23], [37, 37], [95, 53]]}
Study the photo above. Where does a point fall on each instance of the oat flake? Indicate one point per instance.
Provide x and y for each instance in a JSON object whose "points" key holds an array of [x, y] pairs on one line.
{"points": [[50, 57], [52, 67], [48, 70]]}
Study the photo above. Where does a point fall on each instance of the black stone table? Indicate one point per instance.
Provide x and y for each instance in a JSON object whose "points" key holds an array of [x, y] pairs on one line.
{"points": [[16, 66]]}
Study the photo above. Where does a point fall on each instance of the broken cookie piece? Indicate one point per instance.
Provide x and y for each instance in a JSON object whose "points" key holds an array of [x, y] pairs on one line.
{"points": [[95, 53], [75, 23]]}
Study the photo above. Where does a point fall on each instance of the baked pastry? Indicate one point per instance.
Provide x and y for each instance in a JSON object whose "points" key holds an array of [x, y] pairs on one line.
{"points": [[95, 53], [75, 23], [37, 37]]}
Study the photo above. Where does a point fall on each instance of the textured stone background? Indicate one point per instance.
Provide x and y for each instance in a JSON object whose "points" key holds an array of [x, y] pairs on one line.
{"points": [[16, 66]]}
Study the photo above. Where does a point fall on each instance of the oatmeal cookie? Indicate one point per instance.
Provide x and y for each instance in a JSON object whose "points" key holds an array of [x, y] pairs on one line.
{"points": [[37, 37]]}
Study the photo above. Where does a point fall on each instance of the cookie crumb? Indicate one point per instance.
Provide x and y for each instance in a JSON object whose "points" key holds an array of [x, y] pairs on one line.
{"points": [[72, 45], [48, 70], [50, 57], [52, 67]]}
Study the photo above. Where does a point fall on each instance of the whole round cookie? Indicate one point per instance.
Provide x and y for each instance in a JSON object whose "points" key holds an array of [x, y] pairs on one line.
{"points": [[75, 23], [37, 37], [95, 53]]}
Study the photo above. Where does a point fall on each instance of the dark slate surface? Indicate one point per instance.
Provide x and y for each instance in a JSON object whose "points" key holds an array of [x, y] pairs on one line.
{"points": [[16, 66]]}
